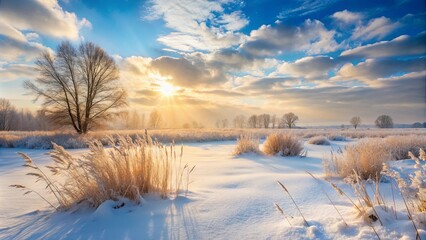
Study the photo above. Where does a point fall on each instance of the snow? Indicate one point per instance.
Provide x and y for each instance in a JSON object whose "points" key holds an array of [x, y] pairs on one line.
{"points": [[230, 198]]}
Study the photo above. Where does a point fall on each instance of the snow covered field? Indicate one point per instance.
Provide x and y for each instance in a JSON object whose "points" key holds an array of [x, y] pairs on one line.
{"points": [[230, 198]]}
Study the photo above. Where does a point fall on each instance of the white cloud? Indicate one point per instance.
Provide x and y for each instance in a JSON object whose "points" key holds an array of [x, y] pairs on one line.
{"points": [[346, 17], [11, 32], [198, 25], [13, 50], [44, 17], [306, 7], [372, 69], [401, 46], [204, 39], [233, 21], [311, 37], [376, 28], [22, 23], [32, 36], [308, 67], [10, 72]]}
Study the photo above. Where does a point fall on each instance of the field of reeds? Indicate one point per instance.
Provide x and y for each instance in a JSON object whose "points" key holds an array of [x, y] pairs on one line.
{"points": [[43, 140]]}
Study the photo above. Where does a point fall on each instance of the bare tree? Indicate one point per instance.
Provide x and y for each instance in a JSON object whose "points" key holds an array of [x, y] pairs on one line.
{"points": [[42, 120], [252, 121], [274, 120], [259, 121], [79, 87], [355, 121], [143, 121], [239, 121], [289, 120], [224, 123], [265, 120], [384, 121], [7, 113], [132, 120], [218, 123], [155, 119], [195, 124]]}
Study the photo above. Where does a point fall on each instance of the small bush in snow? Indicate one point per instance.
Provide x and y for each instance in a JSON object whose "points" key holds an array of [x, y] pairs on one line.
{"points": [[400, 146], [128, 169], [319, 140], [246, 144], [285, 144], [336, 138], [368, 155]]}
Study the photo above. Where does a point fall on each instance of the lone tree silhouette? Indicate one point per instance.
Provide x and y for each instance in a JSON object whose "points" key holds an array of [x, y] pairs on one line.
{"points": [[289, 120], [355, 121], [78, 86], [384, 121]]}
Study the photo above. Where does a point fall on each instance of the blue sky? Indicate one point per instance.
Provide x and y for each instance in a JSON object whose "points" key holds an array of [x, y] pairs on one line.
{"points": [[324, 60]]}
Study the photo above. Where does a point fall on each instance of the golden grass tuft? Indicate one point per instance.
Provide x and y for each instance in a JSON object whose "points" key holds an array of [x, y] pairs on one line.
{"points": [[128, 169], [284, 144], [367, 155], [247, 143], [319, 140], [400, 146]]}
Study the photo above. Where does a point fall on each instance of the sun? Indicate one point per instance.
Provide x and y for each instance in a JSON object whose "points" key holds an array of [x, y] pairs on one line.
{"points": [[166, 89]]}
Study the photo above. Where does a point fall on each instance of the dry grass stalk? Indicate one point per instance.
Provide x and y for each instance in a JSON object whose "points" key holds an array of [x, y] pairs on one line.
{"points": [[129, 169], [342, 193], [282, 212], [410, 216], [374, 230], [411, 188], [29, 190], [360, 190], [328, 197], [298, 209], [361, 211]]}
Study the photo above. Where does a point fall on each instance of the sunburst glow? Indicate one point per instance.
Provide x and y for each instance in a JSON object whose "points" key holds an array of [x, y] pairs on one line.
{"points": [[166, 89]]}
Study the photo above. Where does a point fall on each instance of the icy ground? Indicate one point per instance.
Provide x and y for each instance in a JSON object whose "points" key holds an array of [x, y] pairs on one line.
{"points": [[230, 198]]}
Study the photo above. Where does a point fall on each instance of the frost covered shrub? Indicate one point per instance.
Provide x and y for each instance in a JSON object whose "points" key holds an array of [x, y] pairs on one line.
{"points": [[319, 140], [400, 146], [46, 141], [246, 144], [413, 187], [285, 144], [366, 157], [128, 169], [336, 138]]}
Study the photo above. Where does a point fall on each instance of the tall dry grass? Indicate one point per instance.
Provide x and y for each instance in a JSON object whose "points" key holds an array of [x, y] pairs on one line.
{"points": [[128, 169], [43, 140], [413, 185], [246, 144], [284, 144], [401, 146], [367, 156]]}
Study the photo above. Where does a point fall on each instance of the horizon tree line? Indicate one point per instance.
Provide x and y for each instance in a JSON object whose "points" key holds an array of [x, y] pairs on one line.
{"points": [[288, 120]]}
